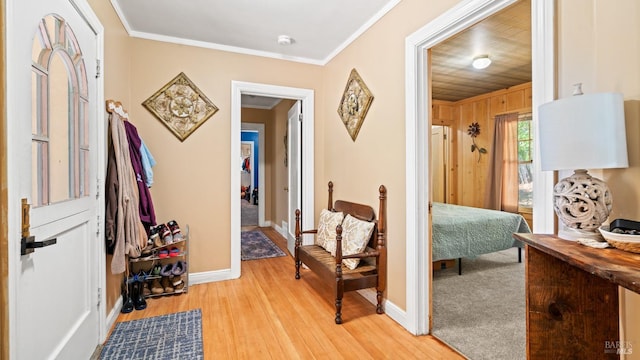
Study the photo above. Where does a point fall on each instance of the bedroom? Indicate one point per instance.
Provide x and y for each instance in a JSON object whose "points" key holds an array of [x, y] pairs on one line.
{"points": [[137, 67], [462, 96]]}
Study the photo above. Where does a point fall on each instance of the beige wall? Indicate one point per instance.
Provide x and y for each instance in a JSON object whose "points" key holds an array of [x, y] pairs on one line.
{"points": [[378, 154], [599, 45]]}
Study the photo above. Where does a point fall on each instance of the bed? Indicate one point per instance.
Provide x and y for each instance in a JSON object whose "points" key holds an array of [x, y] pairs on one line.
{"points": [[462, 231]]}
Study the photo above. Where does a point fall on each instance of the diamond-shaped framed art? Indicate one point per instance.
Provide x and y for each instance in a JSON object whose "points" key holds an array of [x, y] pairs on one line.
{"points": [[180, 106], [355, 102]]}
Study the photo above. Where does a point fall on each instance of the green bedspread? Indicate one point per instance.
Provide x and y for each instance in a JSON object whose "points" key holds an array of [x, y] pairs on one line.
{"points": [[462, 231]]}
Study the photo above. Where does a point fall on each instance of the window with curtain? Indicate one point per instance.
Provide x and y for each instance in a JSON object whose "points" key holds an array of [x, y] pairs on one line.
{"points": [[525, 162]]}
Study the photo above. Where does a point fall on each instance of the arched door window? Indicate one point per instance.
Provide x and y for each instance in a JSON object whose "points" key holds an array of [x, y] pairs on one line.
{"points": [[60, 127]]}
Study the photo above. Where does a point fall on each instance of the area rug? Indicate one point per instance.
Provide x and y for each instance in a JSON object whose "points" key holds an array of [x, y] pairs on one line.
{"points": [[256, 245], [172, 336]]}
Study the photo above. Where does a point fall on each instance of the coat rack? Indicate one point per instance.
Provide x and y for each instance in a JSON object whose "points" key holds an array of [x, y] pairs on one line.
{"points": [[116, 107]]}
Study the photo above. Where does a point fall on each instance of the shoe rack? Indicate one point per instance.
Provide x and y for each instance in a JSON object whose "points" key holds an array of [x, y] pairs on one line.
{"points": [[163, 270]]}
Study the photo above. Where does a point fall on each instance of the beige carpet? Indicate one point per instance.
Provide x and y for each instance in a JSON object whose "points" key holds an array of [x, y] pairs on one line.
{"points": [[248, 213], [481, 313]]}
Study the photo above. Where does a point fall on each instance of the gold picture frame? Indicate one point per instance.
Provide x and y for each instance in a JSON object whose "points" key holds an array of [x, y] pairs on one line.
{"points": [[180, 106], [355, 103]]}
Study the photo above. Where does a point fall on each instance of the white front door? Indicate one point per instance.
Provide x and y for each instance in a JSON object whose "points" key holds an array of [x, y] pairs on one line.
{"points": [[294, 130], [54, 132]]}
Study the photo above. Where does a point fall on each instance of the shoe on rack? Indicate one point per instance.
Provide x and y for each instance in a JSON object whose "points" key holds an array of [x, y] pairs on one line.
{"points": [[167, 270], [175, 230], [156, 287], [174, 251], [180, 286], [156, 270], [163, 254], [138, 300], [154, 235], [166, 284], [179, 268], [165, 234], [177, 280], [145, 289]]}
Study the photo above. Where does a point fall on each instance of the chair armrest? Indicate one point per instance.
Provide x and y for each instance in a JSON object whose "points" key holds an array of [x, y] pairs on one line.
{"points": [[314, 231]]}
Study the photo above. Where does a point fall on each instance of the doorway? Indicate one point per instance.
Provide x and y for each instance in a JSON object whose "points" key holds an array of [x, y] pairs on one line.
{"points": [[305, 172], [418, 123]]}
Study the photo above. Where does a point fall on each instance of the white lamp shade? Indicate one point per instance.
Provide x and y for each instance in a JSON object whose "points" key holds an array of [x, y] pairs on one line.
{"points": [[583, 132]]}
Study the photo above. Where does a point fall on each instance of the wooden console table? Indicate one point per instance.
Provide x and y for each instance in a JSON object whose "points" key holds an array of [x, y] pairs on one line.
{"points": [[572, 297]]}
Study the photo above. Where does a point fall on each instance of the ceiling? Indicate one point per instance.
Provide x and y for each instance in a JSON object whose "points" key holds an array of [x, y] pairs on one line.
{"points": [[321, 29]]}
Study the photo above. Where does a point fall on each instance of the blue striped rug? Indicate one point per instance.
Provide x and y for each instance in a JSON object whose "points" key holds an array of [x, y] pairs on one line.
{"points": [[172, 336]]}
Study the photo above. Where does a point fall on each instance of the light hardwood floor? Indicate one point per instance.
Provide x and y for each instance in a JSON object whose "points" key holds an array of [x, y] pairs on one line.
{"points": [[268, 314]]}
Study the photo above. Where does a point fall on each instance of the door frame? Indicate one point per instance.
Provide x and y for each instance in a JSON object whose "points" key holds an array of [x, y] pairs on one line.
{"points": [[418, 124], [13, 201], [261, 164], [239, 88]]}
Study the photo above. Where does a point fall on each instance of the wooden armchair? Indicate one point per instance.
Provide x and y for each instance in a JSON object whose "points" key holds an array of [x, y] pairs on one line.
{"points": [[371, 270]]}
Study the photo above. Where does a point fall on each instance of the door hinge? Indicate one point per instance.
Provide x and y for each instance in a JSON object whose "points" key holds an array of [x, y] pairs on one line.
{"points": [[98, 225], [98, 68], [299, 117], [99, 296]]}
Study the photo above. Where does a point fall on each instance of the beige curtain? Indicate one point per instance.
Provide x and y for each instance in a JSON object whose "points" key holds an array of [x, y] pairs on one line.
{"points": [[502, 180]]}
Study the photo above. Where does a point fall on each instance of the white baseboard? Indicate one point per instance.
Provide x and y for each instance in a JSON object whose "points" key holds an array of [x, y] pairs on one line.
{"points": [[113, 315], [210, 276], [392, 310]]}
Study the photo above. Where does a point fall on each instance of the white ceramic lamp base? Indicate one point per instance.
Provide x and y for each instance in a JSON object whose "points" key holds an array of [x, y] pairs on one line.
{"points": [[582, 204]]}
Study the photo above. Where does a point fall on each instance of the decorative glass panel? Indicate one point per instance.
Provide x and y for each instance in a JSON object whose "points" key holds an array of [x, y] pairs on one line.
{"points": [[60, 124]]}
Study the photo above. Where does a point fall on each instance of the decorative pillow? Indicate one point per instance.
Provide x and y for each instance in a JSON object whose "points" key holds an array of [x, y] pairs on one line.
{"points": [[327, 224], [355, 236]]}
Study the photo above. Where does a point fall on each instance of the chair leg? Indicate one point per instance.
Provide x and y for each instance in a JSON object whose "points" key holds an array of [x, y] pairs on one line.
{"points": [[338, 311], [298, 269], [379, 309], [339, 294]]}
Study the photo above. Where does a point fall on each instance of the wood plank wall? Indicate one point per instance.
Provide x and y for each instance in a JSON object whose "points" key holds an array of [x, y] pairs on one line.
{"points": [[467, 171]]}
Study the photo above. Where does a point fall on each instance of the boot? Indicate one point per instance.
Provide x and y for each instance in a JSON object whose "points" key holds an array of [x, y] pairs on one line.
{"points": [[127, 302], [138, 300]]}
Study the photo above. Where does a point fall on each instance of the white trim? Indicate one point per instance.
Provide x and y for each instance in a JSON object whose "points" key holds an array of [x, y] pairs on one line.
{"points": [[238, 88], [418, 121], [390, 309], [210, 276], [261, 163], [543, 47], [113, 315]]}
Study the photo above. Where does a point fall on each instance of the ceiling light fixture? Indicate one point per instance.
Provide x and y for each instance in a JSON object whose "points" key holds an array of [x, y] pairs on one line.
{"points": [[284, 40], [481, 62]]}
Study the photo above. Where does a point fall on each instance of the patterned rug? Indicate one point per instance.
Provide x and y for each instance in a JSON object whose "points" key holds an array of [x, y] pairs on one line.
{"points": [[173, 336], [256, 245]]}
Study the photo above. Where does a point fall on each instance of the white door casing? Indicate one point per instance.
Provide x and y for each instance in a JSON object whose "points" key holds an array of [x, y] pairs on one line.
{"points": [[54, 303], [294, 130], [418, 123]]}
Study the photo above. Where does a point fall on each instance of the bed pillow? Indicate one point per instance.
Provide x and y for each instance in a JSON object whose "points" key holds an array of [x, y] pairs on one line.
{"points": [[326, 237], [355, 236]]}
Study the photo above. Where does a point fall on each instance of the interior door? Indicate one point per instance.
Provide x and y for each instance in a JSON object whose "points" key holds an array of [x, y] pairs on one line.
{"points": [[294, 166], [437, 163], [53, 144]]}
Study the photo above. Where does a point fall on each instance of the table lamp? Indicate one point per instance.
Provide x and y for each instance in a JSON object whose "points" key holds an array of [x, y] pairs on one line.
{"points": [[578, 133]]}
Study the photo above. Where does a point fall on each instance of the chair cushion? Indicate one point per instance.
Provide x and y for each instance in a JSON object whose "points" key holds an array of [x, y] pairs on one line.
{"points": [[355, 236], [327, 224]]}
